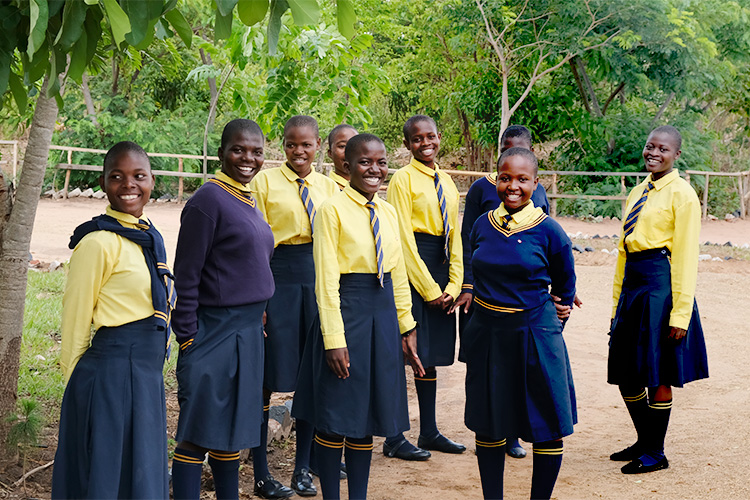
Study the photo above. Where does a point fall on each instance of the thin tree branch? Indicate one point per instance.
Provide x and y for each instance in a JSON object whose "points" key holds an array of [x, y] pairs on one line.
{"points": [[31, 472], [612, 97], [211, 114]]}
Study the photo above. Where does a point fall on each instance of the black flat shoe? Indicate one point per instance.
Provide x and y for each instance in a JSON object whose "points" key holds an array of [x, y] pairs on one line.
{"points": [[302, 483], [270, 488], [637, 467], [404, 453], [517, 451], [440, 443], [342, 472], [628, 454]]}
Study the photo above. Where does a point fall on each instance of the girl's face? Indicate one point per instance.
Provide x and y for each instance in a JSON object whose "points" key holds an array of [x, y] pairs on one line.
{"points": [[300, 145], [242, 157], [128, 183], [368, 168], [516, 181], [337, 148], [660, 153], [423, 142]]}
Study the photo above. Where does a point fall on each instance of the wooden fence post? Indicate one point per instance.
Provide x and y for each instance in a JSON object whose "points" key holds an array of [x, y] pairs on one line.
{"points": [[180, 185], [553, 202], [15, 162], [705, 197], [67, 174]]}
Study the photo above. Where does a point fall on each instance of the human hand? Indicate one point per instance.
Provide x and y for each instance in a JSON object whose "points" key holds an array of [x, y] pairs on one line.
{"points": [[677, 333], [265, 318], [563, 312], [409, 346], [577, 302], [464, 299], [439, 303], [338, 361]]}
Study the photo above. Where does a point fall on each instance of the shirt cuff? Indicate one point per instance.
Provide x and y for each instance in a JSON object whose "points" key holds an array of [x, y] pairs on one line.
{"points": [[453, 290], [679, 321], [334, 341], [407, 326]]}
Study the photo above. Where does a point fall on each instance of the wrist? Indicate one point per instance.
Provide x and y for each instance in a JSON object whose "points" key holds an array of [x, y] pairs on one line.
{"points": [[407, 333]]}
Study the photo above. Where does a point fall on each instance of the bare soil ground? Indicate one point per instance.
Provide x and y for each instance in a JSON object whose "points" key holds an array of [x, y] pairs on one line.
{"points": [[708, 434]]}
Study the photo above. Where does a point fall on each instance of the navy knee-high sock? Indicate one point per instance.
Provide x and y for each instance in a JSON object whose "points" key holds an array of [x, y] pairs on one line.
{"points": [[491, 461], [260, 454], [187, 468], [225, 466], [659, 413], [305, 431], [426, 392], [547, 460], [358, 457], [328, 450], [637, 404]]}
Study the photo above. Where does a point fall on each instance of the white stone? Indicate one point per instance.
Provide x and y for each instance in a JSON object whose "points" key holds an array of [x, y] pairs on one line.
{"points": [[717, 259], [745, 246], [54, 265], [75, 193], [40, 357], [729, 217], [712, 217], [50, 194], [704, 256], [87, 193]]}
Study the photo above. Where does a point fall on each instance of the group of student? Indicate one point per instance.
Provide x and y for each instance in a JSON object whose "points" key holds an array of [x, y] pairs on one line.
{"points": [[288, 280]]}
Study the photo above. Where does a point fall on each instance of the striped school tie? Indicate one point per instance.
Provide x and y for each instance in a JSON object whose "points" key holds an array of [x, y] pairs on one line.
{"points": [[506, 222], [304, 193], [629, 225], [375, 225], [444, 212]]}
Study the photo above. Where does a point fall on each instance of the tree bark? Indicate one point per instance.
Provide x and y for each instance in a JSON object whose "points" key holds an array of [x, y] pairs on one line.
{"points": [[612, 97], [90, 109], [14, 251], [663, 108], [597, 110], [206, 58]]}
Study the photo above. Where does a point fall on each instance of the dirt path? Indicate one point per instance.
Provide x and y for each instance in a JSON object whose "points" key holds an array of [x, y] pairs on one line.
{"points": [[708, 432]]}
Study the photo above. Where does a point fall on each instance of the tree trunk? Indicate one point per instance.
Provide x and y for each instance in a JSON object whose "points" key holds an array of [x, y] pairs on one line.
{"points": [[14, 251], [663, 108], [90, 109], [206, 59]]}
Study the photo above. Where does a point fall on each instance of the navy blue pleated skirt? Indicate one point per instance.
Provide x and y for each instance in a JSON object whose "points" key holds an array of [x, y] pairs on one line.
{"points": [[113, 421], [640, 351], [220, 379], [518, 377], [372, 400], [436, 335], [292, 312]]}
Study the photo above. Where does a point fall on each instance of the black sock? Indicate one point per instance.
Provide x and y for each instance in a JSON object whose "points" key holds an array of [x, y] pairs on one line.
{"points": [[305, 432], [426, 393], [547, 460], [659, 413], [225, 467], [358, 456], [328, 450], [187, 468], [260, 454], [394, 440], [637, 404], [491, 461]]}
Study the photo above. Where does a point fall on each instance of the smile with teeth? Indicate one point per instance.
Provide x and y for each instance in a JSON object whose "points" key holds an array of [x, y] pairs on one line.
{"points": [[371, 180], [128, 197], [512, 197], [245, 170]]}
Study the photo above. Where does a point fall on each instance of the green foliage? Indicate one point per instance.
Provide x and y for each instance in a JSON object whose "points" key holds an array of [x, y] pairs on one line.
{"points": [[25, 425]]}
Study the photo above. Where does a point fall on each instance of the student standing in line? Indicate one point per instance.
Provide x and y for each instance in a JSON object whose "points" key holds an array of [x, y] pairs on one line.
{"points": [[113, 421], [656, 339], [289, 196], [224, 244], [337, 140], [352, 383], [426, 201], [518, 377]]}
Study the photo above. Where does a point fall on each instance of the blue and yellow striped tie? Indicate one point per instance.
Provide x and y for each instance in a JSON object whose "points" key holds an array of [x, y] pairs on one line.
{"points": [[375, 225], [506, 222], [304, 193], [629, 225], [444, 213]]}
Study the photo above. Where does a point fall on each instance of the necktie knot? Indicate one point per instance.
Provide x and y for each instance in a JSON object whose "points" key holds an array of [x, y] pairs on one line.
{"points": [[370, 205], [506, 221]]}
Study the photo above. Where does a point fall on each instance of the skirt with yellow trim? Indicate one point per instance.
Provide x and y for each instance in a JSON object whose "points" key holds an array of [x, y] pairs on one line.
{"points": [[372, 400], [113, 420], [518, 377], [220, 379]]}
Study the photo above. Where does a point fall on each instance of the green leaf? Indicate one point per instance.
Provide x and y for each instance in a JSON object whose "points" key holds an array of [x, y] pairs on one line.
{"points": [[223, 26], [78, 59], [143, 45], [91, 2], [142, 15], [304, 12], [118, 20], [4, 71], [74, 15], [278, 7], [163, 31], [93, 32], [346, 17], [225, 6], [252, 11], [19, 92], [181, 26], [39, 16]]}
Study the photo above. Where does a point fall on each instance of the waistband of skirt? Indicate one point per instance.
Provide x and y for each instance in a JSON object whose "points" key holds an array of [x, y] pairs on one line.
{"points": [[649, 254], [363, 279]]}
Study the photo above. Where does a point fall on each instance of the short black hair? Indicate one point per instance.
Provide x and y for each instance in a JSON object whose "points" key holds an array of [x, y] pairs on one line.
{"points": [[120, 149], [336, 130], [413, 121], [358, 140], [516, 131], [239, 125], [526, 153], [301, 121], [670, 131]]}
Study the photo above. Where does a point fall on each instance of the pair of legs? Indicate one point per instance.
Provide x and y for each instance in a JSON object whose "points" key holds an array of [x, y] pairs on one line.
{"points": [[429, 435], [650, 414], [358, 453], [266, 485], [187, 469], [491, 459]]}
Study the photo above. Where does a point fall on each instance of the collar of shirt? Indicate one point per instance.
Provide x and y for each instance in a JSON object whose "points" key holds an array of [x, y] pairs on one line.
{"points": [[341, 181], [424, 169], [245, 188], [357, 197], [122, 217], [493, 177], [292, 176], [660, 183], [523, 216]]}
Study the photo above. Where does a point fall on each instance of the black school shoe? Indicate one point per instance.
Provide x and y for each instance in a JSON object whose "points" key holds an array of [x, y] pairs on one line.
{"points": [[411, 452], [302, 483], [270, 488], [440, 443], [637, 467], [342, 471], [628, 454]]}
